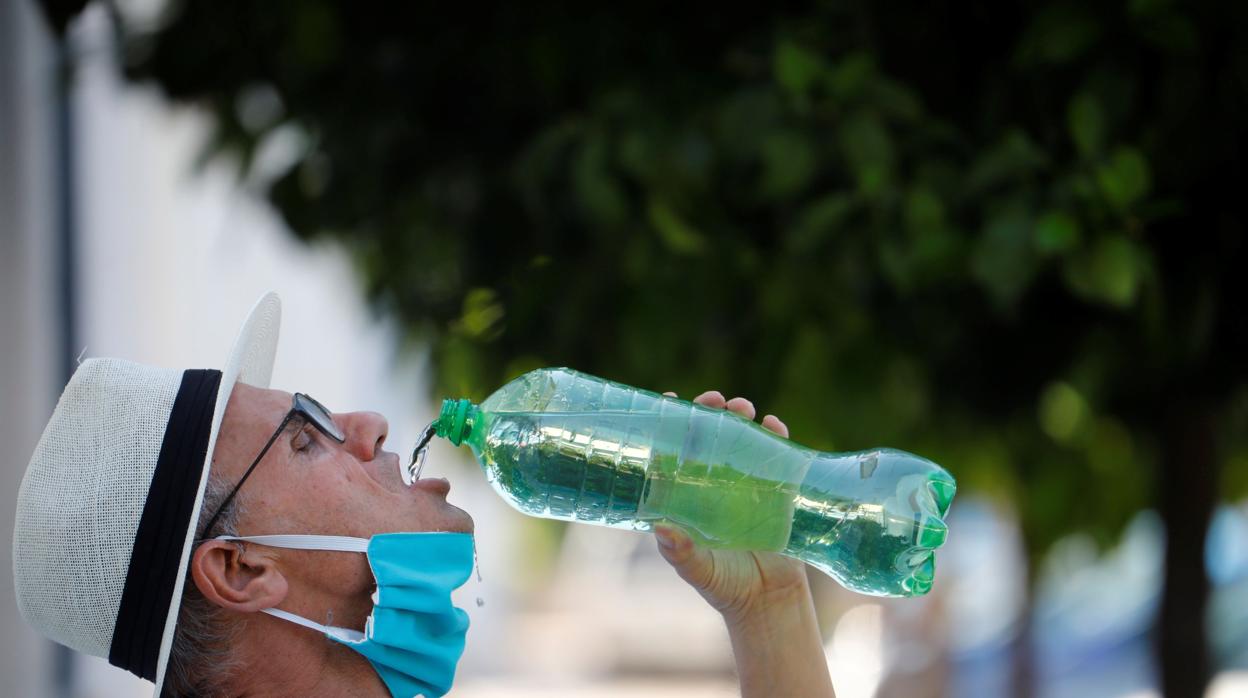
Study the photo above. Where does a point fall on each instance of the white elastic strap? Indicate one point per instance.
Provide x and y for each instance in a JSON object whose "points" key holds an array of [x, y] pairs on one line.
{"points": [[346, 634], [345, 544], [297, 620]]}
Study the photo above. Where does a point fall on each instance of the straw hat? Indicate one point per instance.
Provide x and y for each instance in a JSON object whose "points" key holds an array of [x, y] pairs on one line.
{"points": [[106, 510]]}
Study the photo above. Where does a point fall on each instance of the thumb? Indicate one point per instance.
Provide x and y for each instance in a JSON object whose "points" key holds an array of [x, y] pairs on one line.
{"points": [[692, 562]]}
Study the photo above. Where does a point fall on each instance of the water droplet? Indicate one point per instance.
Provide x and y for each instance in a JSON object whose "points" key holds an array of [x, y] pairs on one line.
{"points": [[476, 562]]}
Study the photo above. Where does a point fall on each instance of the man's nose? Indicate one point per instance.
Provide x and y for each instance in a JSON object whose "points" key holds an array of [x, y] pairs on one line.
{"points": [[366, 432]]}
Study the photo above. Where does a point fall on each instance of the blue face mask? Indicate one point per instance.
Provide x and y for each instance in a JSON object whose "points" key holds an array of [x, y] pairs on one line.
{"points": [[414, 636]]}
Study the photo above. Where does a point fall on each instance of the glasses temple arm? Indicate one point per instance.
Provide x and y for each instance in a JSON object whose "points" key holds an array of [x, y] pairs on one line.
{"points": [[216, 515]]}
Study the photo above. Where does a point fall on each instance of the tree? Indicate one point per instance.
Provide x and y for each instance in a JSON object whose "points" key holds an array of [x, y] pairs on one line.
{"points": [[1005, 236]]}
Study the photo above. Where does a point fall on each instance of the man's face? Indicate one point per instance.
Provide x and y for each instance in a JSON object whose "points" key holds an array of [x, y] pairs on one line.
{"points": [[308, 483]]}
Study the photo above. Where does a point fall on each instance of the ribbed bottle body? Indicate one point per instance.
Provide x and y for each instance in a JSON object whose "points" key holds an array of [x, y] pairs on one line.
{"points": [[560, 444]]}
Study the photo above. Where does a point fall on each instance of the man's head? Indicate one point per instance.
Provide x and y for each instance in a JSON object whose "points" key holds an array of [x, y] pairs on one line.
{"points": [[116, 492], [308, 483]]}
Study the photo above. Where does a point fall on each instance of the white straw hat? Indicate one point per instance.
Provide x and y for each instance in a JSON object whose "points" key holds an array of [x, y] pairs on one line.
{"points": [[106, 511]]}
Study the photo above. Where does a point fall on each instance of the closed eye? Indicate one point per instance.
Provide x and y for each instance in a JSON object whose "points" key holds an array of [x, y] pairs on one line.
{"points": [[303, 438]]}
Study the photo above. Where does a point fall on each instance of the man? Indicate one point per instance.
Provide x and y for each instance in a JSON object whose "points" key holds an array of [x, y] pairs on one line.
{"points": [[133, 544]]}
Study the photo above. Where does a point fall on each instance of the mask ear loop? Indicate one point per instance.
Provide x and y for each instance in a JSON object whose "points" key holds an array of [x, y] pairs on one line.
{"points": [[417, 464]]}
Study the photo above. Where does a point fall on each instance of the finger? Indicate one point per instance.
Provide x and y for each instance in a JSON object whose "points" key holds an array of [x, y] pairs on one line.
{"points": [[741, 406], [670, 394], [711, 398], [773, 423], [692, 563]]}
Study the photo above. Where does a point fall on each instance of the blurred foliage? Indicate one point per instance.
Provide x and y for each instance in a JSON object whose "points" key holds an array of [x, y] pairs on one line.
{"points": [[1004, 236]]}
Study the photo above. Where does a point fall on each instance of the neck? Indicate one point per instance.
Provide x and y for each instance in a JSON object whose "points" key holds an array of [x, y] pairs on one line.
{"points": [[278, 658]]}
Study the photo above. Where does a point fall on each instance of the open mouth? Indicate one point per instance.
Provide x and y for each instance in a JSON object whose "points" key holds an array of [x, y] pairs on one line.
{"points": [[405, 473], [434, 485]]}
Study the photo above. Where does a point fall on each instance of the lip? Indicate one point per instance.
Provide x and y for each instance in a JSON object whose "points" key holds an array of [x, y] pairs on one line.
{"points": [[434, 485], [387, 472]]}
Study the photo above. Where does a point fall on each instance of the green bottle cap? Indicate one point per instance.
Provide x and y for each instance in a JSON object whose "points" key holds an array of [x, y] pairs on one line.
{"points": [[454, 423]]}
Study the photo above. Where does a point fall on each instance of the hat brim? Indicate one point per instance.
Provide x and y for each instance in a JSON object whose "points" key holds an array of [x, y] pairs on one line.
{"points": [[250, 362]]}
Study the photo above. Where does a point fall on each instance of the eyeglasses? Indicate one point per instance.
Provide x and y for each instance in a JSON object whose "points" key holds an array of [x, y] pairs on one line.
{"points": [[303, 407]]}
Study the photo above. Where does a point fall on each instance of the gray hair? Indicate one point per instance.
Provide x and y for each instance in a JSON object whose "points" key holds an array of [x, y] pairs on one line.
{"points": [[201, 656]]}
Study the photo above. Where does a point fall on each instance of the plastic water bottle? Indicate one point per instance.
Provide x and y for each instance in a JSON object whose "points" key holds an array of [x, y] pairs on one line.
{"points": [[556, 443]]}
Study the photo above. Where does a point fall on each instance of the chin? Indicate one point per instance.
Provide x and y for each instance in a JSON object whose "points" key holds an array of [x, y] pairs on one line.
{"points": [[459, 520]]}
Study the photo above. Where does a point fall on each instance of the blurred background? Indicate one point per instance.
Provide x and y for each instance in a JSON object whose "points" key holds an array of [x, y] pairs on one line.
{"points": [[1009, 237]]}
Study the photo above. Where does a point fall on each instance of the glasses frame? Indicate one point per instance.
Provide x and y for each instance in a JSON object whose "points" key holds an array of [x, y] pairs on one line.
{"points": [[301, 405]]}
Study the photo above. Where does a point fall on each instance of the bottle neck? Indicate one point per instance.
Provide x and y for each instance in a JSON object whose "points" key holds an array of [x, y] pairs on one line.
{"points": [[456, 420]]}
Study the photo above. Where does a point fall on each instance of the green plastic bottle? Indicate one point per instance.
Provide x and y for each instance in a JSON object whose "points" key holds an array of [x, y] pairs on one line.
{"points": [[556, 443]]}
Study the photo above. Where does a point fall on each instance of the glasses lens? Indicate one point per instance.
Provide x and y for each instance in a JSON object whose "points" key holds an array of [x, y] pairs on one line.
{"points": [[320, 417]]}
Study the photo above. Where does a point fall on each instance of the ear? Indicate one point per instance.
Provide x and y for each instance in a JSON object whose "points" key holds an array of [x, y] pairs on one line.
{"points": [[235, 578]]}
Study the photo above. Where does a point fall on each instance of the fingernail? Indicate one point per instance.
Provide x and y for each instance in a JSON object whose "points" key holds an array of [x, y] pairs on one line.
{"points": [[665, 538]]}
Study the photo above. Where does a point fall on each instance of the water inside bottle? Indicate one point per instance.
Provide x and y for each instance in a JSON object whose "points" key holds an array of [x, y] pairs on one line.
{"points": [[871, 520], [883, 547]]}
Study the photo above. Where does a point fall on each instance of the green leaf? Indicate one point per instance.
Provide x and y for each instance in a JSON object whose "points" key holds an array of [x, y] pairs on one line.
{"points": [[895, 100], [868, 149], [1125, 179], [676, 234], [1109, 273], [789, 160], [818, 221], [930, 249], [1110, 449], [851, 75], [1002, 259], [1063, 412], [924, 210], [598, 189], [1059, 34], [462, 368], [638, 154], [1086, 120], [743, 120], [796, 68], [935, 253], [1013, 157], [1056, 232], [482, 314]]}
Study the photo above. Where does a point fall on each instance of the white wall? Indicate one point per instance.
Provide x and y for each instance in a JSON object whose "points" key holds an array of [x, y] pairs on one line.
{"points": [[29, 363]]}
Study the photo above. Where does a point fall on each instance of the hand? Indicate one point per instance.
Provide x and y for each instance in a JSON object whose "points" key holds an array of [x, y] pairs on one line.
{"points": [[739, 584]]}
